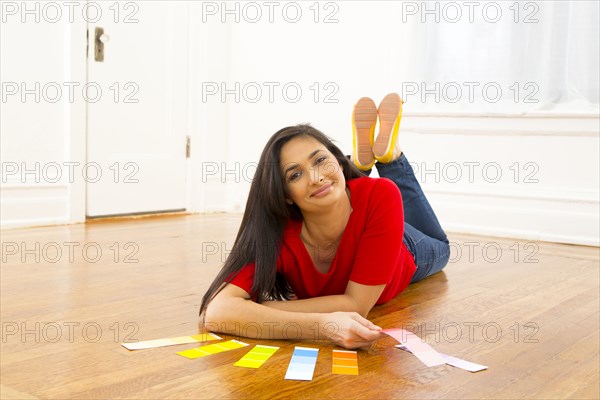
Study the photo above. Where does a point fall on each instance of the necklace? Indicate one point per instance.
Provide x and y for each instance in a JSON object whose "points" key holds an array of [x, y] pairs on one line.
{"points": [[321, 254], [318, 245]]}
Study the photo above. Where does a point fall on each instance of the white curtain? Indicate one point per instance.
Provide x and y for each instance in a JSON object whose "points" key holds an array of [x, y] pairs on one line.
{"points": [[474, 57], [540, 56]]}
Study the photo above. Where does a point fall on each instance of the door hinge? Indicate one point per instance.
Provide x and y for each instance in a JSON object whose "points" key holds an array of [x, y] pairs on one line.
{"points": [[188, 146]]}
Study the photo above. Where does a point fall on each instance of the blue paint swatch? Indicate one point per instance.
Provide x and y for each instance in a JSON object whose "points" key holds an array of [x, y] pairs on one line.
{"points": [[302, 365]]}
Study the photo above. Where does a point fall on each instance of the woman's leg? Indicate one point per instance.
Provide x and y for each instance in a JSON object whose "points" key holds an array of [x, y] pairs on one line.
{"points": [[417, 210], [431, 255], [423, 234]]}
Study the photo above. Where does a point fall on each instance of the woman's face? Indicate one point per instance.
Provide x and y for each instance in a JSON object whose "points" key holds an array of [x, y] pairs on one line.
{"points": [[312, 176]]}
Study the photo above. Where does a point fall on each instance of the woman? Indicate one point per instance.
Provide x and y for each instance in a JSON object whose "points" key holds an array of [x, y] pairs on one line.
{"points": [[318, 232]]}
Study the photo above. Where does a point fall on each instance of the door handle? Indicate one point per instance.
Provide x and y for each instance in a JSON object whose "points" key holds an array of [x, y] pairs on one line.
{"points": [[101, 39]]}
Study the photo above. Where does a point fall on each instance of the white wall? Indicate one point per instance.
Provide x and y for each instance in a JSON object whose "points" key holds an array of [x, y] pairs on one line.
{"points": [[347, 60]]}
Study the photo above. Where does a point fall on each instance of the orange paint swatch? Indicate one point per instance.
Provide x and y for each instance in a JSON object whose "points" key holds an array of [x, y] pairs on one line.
{"points": [[345, 362]]}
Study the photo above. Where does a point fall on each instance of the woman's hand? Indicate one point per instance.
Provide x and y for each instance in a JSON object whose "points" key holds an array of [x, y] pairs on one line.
{"points": [[350, 329]]}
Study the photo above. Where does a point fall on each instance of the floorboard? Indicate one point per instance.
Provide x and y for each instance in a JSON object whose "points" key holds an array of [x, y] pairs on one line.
{"points": [[71, 294]]}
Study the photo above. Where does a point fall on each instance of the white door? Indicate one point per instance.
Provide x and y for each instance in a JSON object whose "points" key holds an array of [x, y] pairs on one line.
{"points": [[137, 101]]}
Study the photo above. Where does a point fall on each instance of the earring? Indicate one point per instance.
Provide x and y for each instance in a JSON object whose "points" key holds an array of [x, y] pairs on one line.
{"points": [[290, 202]]}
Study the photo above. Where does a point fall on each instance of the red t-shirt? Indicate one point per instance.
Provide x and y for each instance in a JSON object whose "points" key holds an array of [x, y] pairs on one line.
{"points": [[370, 252]]}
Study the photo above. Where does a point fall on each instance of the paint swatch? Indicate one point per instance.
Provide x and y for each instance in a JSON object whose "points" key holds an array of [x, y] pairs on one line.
{"points": [[209, 349], [345, 362], [455, 362], [420, 349], [302, 365], [150, 344], [257, 356]]}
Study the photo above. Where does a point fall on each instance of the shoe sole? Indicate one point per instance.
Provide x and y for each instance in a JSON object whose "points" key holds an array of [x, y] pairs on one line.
{"points": [[364, 119], [390, 113]]}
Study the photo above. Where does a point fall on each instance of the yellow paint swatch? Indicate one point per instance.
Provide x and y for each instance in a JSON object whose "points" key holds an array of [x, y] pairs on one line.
{"points": [[150, 344], [207, 350], [345, 362], [257, 356]]}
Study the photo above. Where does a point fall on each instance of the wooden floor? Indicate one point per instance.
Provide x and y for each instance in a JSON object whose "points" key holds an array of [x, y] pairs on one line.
{"points": [[529, 311]]}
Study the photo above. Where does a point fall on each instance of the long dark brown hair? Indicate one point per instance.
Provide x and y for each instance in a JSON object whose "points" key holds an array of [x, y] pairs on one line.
{"points": [[267, 213]]}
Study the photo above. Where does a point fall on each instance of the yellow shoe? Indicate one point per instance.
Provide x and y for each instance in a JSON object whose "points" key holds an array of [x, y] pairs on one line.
{"points": [[390, 113], [364, 119]]}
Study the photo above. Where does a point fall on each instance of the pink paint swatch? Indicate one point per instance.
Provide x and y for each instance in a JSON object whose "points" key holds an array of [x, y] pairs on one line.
{"points": [[415, 345]]}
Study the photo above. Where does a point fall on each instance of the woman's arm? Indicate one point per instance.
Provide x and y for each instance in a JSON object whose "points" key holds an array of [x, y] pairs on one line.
{"points": [[232, 312], [358, 298]]}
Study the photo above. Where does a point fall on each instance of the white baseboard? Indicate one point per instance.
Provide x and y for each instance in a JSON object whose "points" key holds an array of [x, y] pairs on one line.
{"points": [[555, 221], [23, 205]]}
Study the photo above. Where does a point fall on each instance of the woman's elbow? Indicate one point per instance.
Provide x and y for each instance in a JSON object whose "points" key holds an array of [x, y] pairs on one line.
{"points": [[225, 308], [222, 311], [213, 316]]}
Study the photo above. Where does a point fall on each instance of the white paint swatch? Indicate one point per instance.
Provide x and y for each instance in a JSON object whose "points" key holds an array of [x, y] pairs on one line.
{"points": [[455, 362]]}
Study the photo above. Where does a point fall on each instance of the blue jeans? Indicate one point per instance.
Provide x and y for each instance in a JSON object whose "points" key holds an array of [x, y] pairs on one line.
{"points": [[423, 235]]}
